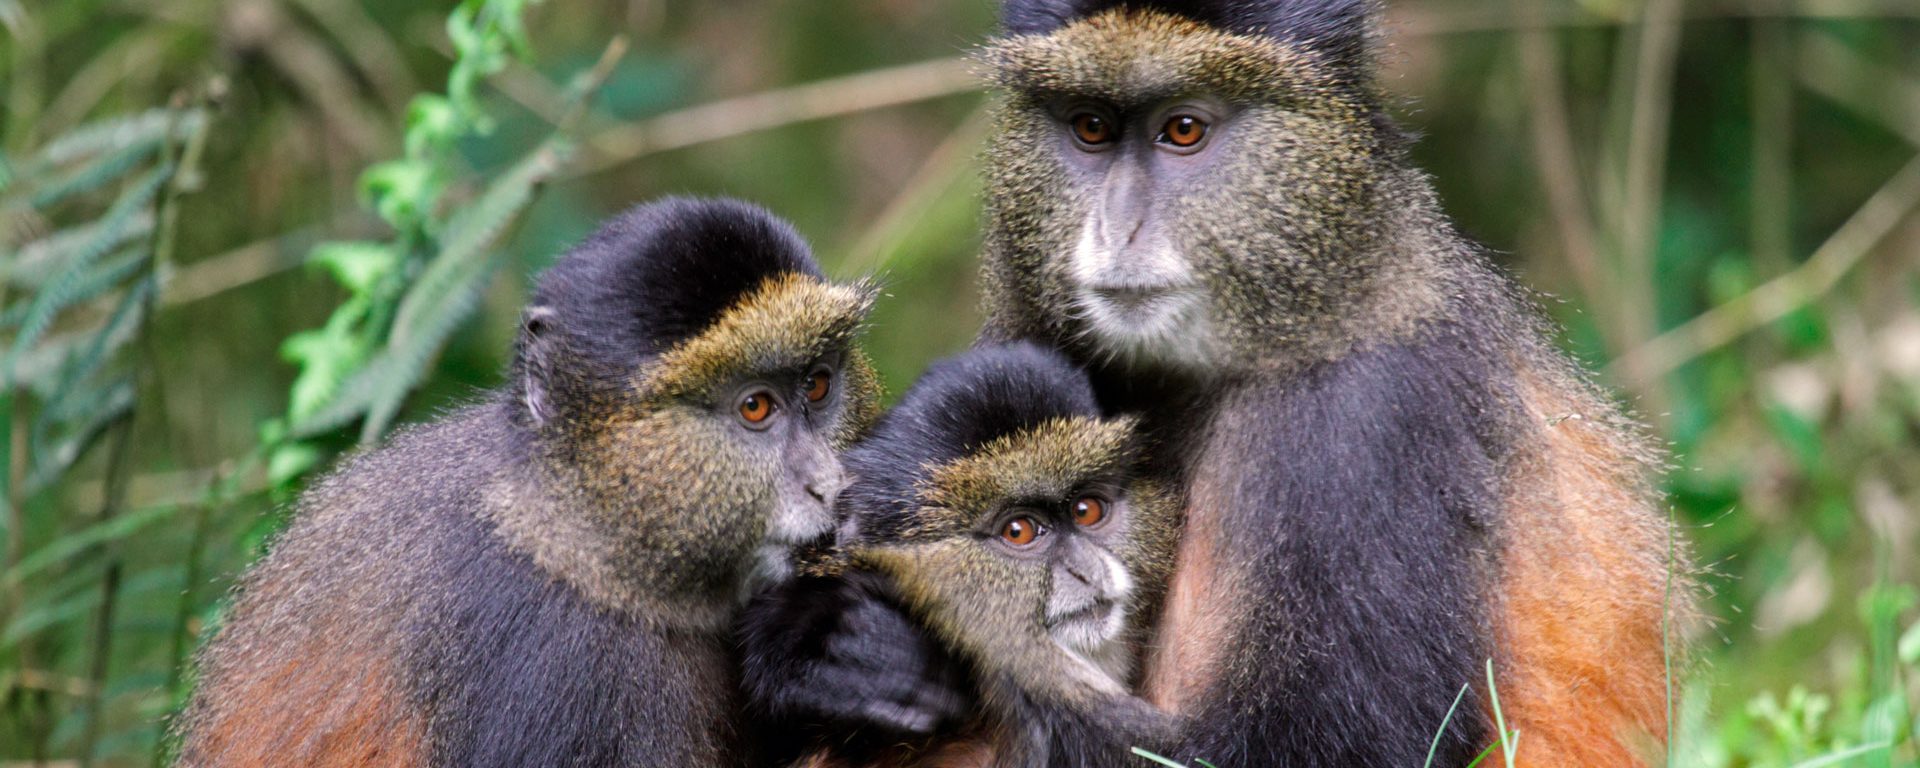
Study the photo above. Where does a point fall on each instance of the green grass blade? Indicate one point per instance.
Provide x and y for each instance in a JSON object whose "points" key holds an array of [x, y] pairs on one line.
{"points": [[1444, 722], [1157, 758], [62, 549], [1845, 754]]}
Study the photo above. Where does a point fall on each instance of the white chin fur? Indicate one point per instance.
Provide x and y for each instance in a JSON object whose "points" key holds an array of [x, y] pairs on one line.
{"points": [[1171, 330], [1168, 329]]}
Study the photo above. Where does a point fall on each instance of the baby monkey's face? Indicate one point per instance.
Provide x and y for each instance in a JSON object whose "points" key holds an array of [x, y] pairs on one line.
{"points": [[1025, 547], [1088, 589]]}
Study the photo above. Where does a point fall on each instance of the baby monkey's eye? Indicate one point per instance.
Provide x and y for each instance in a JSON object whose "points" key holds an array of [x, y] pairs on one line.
{"points": [[1021, 531], [1089, 511], [819, 385], [1090, 128], [757, 407], [1183, 131]]}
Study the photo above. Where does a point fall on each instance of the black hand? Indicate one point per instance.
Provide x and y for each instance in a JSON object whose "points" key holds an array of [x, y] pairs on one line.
{"points": [[839, 656]]}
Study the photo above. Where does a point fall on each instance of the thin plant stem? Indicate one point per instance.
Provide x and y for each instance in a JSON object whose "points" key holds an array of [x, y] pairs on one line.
{"points": [[1728, 322], [1645, 178], [730, 118], [1558, 165]]}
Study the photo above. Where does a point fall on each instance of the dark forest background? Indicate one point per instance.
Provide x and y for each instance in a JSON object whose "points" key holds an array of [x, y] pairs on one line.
{"points": [[240, 237]]}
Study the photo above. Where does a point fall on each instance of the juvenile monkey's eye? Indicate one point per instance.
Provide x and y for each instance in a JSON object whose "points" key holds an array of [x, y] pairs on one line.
{"points": [[1020, 531], [819, 385], [757, 407], [1089, 511], [1090, 128], [1183, 131]]}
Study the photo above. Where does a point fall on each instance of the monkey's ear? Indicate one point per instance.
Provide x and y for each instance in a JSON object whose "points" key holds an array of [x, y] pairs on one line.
{"points": [[535, 370]]}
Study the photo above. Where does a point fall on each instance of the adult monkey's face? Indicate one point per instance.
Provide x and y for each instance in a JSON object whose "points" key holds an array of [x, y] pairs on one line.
{"points": [[1166, 193]]}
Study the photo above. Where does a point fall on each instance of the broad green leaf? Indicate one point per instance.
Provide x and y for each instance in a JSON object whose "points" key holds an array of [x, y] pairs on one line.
{"points": [[290, 461], [357, 265], [401, 191]]}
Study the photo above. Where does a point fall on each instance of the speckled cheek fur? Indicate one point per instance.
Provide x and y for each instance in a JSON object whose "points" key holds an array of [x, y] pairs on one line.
{"points": [[688, 481], [957, 587]]}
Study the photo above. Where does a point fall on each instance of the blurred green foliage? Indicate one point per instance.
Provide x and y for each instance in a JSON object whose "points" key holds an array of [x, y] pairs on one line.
{"points": [[1710, 194]]}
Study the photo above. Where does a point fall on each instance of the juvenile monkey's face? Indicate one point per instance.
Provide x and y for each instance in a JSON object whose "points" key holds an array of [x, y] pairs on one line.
{"points": [[1026, 548], [1162, 186], [730, 458]]}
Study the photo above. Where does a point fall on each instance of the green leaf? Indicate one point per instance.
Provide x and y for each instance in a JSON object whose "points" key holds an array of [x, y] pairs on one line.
{"points": [[38, 617], [94, 176], [14, 18], [1157, 758], [357, 265], [433, 124], [1910, 645], [450, 288], [95, 283], [1843, 755], [327, 356], [39, 368], [290, 461], [400, 191]]}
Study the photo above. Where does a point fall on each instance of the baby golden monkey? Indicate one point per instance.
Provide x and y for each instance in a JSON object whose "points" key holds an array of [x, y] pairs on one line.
{"points": [[998, 508], [550, 577]]}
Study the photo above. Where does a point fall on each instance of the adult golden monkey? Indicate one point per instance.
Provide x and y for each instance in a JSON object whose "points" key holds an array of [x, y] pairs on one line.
{"points": [[1389, 474]]}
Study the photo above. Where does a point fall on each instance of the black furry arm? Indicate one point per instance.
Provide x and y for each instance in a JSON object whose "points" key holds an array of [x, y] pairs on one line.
{"points": [[837, 657], [1364, 547]]}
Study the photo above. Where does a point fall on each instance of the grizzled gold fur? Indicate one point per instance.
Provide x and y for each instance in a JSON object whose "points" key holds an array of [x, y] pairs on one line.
{"points": [[1294, 237], [786, 322]]}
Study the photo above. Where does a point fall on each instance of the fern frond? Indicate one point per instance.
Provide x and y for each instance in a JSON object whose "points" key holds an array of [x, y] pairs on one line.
{"points": [[50, 462], [37, 261], [63, 290], [91, 177], [117, 134], [95, 283], [39, 369]]}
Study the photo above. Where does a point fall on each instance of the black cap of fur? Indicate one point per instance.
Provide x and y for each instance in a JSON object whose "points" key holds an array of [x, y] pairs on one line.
{"points": [[660, 272], [960, 404], [648, 279], [1333, 28]]}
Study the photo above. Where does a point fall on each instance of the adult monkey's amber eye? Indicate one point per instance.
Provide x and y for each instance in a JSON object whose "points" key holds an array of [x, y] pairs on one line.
{"points": [[1020, 531], [819, 385], [1089, 511], [1090, 128], [1184, 130], [756, 408]]}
